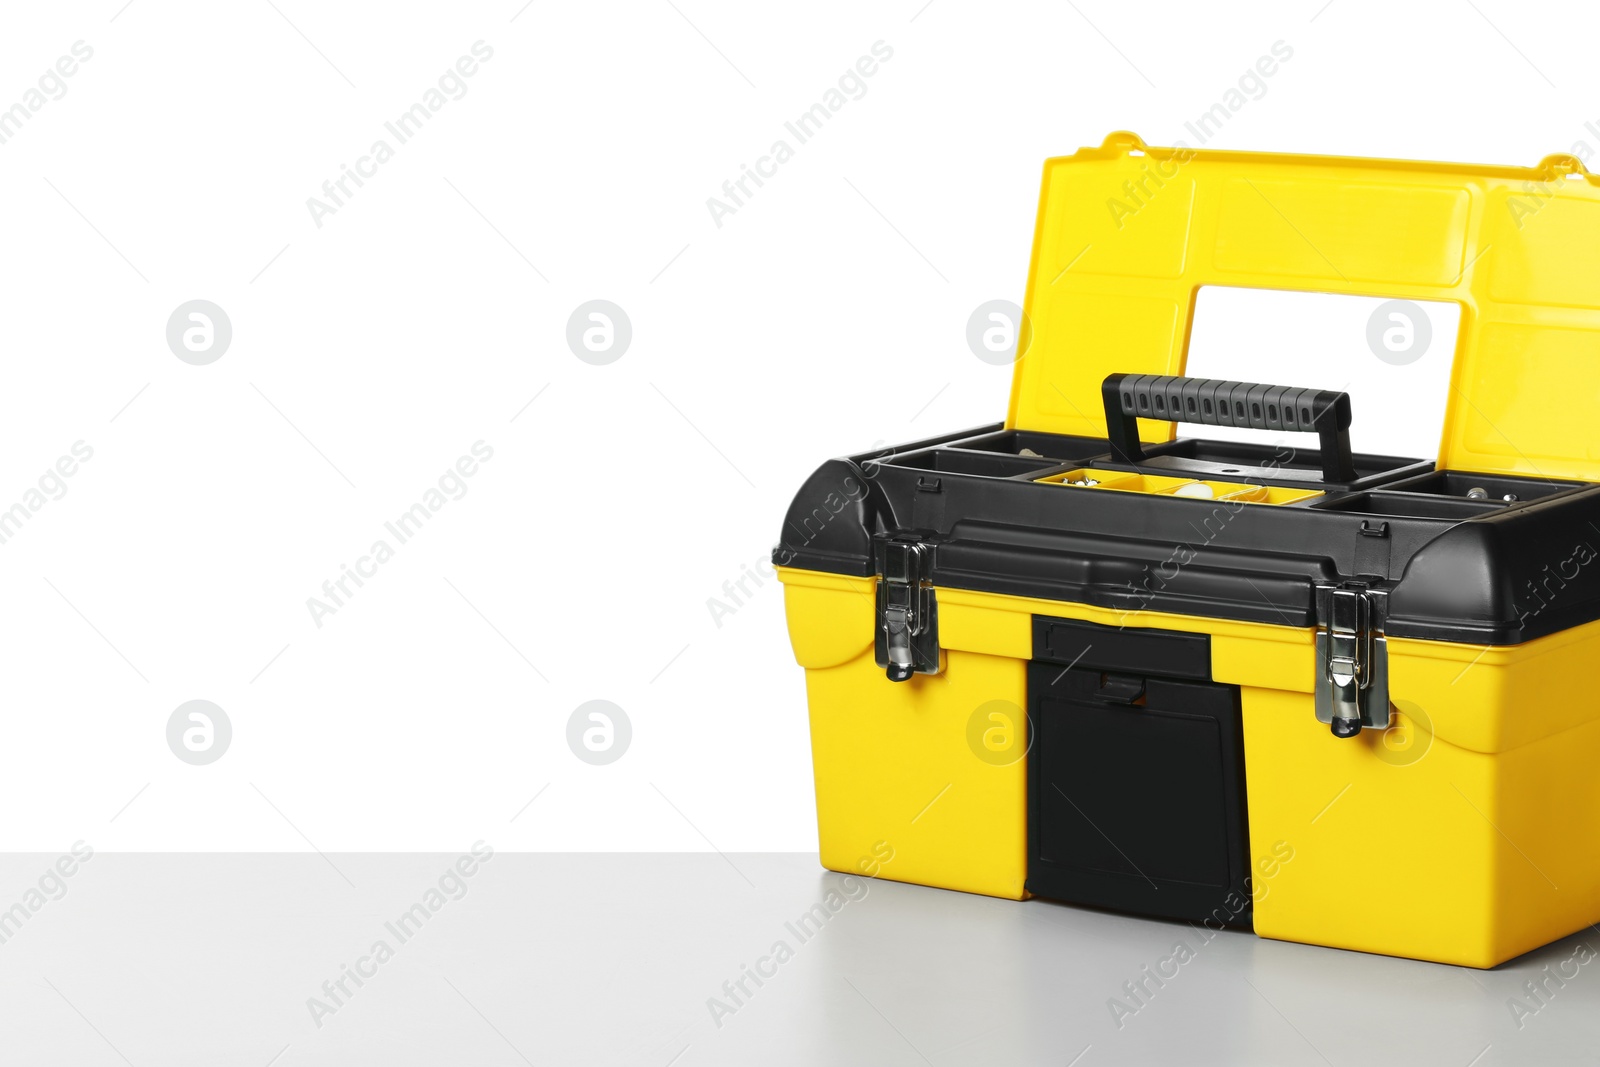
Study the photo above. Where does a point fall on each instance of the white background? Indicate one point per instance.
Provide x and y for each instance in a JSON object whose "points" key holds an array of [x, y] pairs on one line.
{"points": [[826, 315]]}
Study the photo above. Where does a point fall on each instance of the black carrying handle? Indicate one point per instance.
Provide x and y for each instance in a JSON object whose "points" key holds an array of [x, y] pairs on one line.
{"points": [[1164, 397]]}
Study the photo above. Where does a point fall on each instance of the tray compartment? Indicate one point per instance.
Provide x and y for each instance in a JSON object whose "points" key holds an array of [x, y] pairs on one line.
{"points": [[1410, 506], [983, 464], [1498, 487], [1202, 458], [1057, 447], [1158, 485]]}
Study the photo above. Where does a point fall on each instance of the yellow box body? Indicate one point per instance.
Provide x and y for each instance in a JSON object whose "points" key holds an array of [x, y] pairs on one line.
{"points": [[1464, 834]]}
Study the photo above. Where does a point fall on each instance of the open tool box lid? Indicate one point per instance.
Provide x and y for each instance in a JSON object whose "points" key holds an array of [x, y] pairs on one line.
{"points": [[1127, 234], [1084, 495]]}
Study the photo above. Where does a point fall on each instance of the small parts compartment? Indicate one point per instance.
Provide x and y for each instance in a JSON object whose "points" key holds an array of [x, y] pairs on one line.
{"points": [[1202, 458], [1122, 481], [1448, 495], [983, 464], [1007, 454], [1058, 447], [1136, 779], [1410, 506], [1470, 486]]}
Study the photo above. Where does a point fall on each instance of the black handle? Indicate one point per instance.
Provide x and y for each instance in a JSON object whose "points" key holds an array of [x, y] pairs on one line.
{"points": [[1129, 397]]}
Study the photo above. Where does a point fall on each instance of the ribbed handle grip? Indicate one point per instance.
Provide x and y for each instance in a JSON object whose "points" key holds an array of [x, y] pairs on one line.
{"points": [[1129, 397]]}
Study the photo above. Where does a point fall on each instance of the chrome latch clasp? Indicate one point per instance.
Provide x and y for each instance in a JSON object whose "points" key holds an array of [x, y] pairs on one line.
{"points": [[907, 640], [1352, 684]]}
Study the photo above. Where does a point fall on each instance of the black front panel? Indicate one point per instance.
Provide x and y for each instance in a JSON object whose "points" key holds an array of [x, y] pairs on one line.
{"points": [[1136, 790], [1171, 653]]}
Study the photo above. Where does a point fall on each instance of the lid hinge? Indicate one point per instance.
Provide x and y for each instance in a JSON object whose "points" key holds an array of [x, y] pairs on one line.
{"points": [[1352, 684], [907, 640]]}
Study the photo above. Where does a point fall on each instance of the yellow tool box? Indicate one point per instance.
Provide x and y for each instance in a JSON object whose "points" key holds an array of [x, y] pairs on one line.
{"points": [[1336, 698]]}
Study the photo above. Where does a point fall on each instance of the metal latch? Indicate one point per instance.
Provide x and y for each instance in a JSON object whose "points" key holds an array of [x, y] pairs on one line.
{"points": [[1352, 685], [908, 616]]}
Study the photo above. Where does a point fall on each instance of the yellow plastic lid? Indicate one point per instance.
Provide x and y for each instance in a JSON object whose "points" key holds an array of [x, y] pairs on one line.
{"points": [[1127, 234]]}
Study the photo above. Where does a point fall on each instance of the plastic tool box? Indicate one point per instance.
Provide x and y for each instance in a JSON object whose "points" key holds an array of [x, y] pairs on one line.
{"points": [[1336, 698]]}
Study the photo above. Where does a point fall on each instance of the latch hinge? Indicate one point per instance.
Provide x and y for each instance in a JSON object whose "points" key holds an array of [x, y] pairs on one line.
{"points": [[908, 616], [1352, 684]]}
